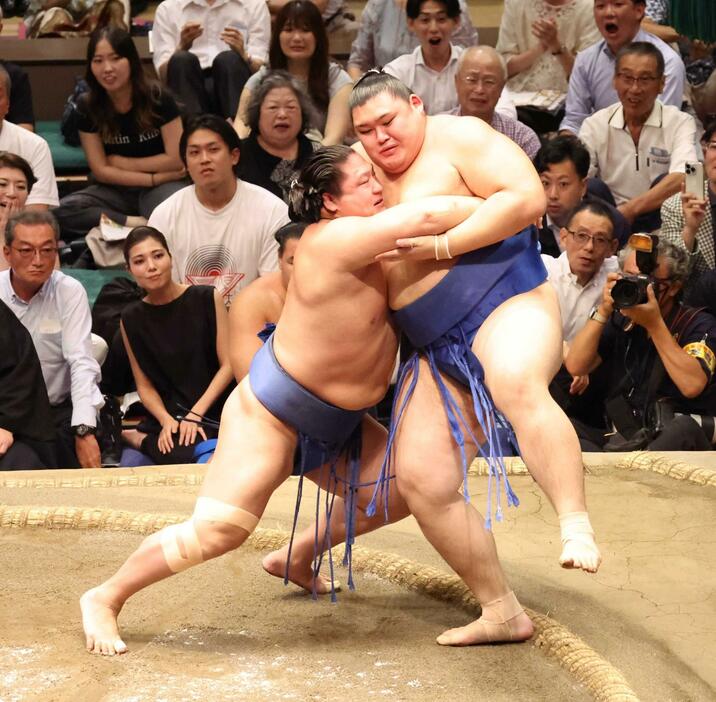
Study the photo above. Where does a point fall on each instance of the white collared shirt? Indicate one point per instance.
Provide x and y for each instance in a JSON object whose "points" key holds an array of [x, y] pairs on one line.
{"points": [[251, 16], [59, 321], [435, 88], [35, 150], [666, 143], [576, 301]]}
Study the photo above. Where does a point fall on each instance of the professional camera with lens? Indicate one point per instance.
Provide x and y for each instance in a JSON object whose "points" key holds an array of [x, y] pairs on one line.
{"points": [[631, 289]]}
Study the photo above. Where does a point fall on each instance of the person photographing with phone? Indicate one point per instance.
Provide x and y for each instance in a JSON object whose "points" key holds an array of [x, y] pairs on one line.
{"points": [[656, 355], [205, 51], [687, 218], [639, 146]]}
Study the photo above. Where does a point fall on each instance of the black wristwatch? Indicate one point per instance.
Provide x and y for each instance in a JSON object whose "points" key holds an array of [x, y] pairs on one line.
{"points": [[83, 429]]}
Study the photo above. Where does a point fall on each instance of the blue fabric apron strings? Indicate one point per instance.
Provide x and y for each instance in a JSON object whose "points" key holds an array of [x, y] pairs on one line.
{"points": [[325, 432], [442, 325]]}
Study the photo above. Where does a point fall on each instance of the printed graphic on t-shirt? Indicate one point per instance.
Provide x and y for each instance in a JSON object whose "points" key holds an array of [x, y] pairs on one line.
{"points": [[214, 265]]}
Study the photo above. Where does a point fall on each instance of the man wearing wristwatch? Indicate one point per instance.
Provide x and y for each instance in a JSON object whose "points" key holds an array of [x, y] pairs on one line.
{"points": [[661, 330], [54, 309]]}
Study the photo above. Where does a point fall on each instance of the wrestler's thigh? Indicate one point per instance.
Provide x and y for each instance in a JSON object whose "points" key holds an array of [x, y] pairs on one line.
{"points": [[254, 453], [521, 341], [426, 455], [374, 438]]}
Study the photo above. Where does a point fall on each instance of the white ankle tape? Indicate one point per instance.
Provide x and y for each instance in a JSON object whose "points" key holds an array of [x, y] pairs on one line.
{"points": [[177, 537], [502, 609], [210, 510], [574, 525]]}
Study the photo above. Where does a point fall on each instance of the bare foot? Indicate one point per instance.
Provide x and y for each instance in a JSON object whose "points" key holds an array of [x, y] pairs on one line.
{"points": [[99, 620], [133, 438], [581, 552], [483, 631], [300, 574]]}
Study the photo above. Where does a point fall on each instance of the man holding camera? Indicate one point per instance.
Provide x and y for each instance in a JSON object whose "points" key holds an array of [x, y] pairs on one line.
{"points": [[658, 357]]}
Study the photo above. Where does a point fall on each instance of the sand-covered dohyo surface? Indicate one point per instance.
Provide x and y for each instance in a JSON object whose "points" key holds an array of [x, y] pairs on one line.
{"points": [[228, 631]]}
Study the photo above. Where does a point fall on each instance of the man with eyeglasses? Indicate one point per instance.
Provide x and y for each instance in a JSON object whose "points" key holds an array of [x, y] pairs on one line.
{"points": [[590, 83], [639, 146], [687, 220], [660, 361], [480, 79], [579, 273], [55, 310]]}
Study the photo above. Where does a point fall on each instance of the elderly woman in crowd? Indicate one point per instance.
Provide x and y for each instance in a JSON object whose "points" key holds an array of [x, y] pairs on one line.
{"points": [[384, 35], [278, 115], [299, 45], [129, 129], [177, 342], [16, 181]]}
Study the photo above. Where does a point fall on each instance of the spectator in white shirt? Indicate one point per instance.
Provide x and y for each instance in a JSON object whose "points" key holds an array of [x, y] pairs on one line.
{"points": [[55, 310], [578, 275], [429, 71], [206, 51], [639, 146], [220, 229], [32, 148]]}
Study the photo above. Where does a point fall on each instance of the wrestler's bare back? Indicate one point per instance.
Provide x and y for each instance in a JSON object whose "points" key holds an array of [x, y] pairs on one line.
{"points": [[335, 336]]}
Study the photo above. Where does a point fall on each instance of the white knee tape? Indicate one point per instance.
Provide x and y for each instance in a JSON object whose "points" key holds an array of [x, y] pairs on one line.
{"points": [[180, 537], [210, 510]]}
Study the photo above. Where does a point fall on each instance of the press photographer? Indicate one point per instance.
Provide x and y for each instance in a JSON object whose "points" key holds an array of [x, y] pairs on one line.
{"points": [[657, 356]]}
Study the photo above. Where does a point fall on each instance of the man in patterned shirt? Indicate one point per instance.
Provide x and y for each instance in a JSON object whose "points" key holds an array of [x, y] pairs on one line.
{"points": [[481, 76]]}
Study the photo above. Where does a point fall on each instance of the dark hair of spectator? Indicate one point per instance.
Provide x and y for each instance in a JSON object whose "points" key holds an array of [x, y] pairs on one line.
{"points": [[373, 83], [303, 14], [10, 160], [596, 208], [709, 132], [140, 234], [145, 92], [321, 174], [5, 78], [292, 230], [212, 123], [563, 148], [30, 218], [641, 48], [272, 81], [413, 8]]}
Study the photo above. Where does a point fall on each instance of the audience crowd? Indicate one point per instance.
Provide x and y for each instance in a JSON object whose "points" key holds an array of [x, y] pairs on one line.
{"points": [[197, 161]]}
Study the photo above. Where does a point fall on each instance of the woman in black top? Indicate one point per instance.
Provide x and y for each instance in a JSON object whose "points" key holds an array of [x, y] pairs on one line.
{"points": [[279, 115], [177, 342], [129, 129]]}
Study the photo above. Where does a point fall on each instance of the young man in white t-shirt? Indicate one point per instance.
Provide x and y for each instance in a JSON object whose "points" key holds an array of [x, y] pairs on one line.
{"points": [[220, 229], [32, 148]]}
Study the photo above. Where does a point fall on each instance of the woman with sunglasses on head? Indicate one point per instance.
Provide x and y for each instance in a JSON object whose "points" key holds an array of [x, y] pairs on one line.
{"points": [[177, 342], [130, 129], [299, 45]]}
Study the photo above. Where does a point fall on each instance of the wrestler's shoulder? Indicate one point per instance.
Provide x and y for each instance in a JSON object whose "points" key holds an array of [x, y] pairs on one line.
{"points": [[449, 127]]}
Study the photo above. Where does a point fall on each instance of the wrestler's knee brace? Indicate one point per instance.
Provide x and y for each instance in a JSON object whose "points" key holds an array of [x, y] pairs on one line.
{"points": [[185, 535]]}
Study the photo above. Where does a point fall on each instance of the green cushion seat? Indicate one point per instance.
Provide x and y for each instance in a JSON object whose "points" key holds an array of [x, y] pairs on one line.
{"points": [[66, 159]]}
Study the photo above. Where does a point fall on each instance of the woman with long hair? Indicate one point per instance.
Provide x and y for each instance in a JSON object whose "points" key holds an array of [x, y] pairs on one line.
{"points": [[176, 339], [299, 45], [130, 129]]}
